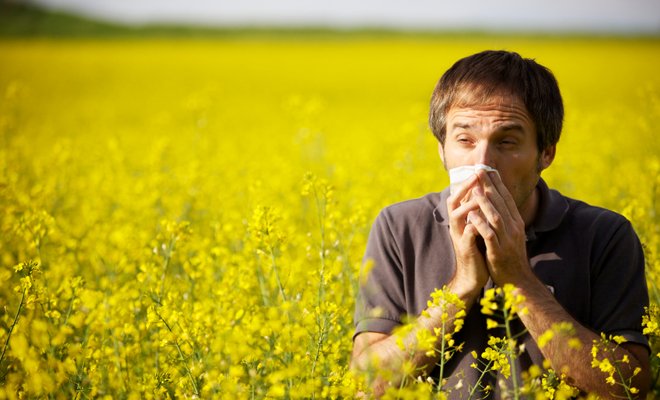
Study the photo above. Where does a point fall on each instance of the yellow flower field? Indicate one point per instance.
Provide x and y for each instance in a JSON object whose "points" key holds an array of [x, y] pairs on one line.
{"points": [[186, 218]]}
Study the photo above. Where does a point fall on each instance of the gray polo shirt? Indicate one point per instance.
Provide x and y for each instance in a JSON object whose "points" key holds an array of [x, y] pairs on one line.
{"points": [[590, 257]]}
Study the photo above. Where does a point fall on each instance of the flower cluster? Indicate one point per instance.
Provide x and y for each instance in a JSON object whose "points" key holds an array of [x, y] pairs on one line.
{"points": [[604, 359]]}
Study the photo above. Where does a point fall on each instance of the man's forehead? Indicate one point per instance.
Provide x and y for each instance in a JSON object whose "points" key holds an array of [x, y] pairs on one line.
{"points": [[477, 97], [504, 109]]}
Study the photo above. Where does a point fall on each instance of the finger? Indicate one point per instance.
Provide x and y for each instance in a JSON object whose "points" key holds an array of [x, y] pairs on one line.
{"points": [[508, 198], [504, 193], [484, 229], [470, 234], [468, 243], [496, 194], [458, 216], [460, 194], [491, 213]]}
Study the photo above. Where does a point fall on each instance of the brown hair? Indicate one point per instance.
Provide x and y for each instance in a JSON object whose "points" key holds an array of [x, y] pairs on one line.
{"points": [[474, 79]]}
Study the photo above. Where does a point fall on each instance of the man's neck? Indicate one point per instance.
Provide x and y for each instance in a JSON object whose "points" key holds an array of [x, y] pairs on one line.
{"points": [[530, 207]]}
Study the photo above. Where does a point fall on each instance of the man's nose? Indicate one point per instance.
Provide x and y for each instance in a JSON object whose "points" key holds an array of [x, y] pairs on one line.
{"points": [[484, 154]]}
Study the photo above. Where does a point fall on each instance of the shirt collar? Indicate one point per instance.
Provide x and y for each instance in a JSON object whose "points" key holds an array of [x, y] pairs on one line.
{"points": [[553, 207], [552, 210], [440, 212]]}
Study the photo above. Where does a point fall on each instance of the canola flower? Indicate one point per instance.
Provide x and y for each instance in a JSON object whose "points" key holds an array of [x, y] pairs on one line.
{"points": [[602, 352], [503, 304], [182, 219]]}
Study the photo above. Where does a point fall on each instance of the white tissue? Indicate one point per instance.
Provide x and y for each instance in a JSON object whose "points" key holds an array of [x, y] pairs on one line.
{"points": [[460, 174]]}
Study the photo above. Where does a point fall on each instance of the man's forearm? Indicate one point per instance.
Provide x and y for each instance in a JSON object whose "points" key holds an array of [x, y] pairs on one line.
{"points": [[386, 358], [544, 311]]}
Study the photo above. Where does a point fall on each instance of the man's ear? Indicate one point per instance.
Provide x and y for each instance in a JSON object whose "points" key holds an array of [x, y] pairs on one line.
{"points": [[441, 151], [546, 157]]}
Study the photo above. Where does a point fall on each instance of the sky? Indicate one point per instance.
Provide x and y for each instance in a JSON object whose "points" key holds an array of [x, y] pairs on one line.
{"points": [[633, 16]]}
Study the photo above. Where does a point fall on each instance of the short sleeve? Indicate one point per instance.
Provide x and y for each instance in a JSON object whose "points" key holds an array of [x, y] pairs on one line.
{"points": [[380, 301], [619, 291]]}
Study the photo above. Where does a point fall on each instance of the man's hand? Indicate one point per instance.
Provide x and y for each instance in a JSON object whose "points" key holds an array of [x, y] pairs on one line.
{"points": [[471, 273], [498, 221]]}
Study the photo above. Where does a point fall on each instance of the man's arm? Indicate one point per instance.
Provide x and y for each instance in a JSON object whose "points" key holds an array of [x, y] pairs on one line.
{"points": [[503, 230], [379, 354], [544, 311], [470, 277]]}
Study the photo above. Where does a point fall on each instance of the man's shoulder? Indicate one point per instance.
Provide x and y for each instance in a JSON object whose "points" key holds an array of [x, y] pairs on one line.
{"points": [[587, 212], [560, 213], [597, 219], [412, 209]]}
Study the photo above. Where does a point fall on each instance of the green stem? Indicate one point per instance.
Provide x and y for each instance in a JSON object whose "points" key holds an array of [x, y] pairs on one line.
{"points": [[11, 329], [320, 213], [512, 359], [118, 362], [481, 377], [655, 380], [68, 311], [626, 386], [166, 263], [277, 274], [265, 295], [319, 343], [321, 321], [182, 357], [442, 359]]}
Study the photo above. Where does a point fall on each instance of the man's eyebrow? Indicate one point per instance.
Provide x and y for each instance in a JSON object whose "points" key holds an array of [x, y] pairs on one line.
{"points": [[510, 126], [505, 127], [462, 125]]}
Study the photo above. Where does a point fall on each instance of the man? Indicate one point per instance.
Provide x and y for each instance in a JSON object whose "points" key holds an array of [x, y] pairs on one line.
{"points": [[572, 262]]}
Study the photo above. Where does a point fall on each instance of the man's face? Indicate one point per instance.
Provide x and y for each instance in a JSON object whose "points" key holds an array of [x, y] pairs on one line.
{"points": [[499, 133]]}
